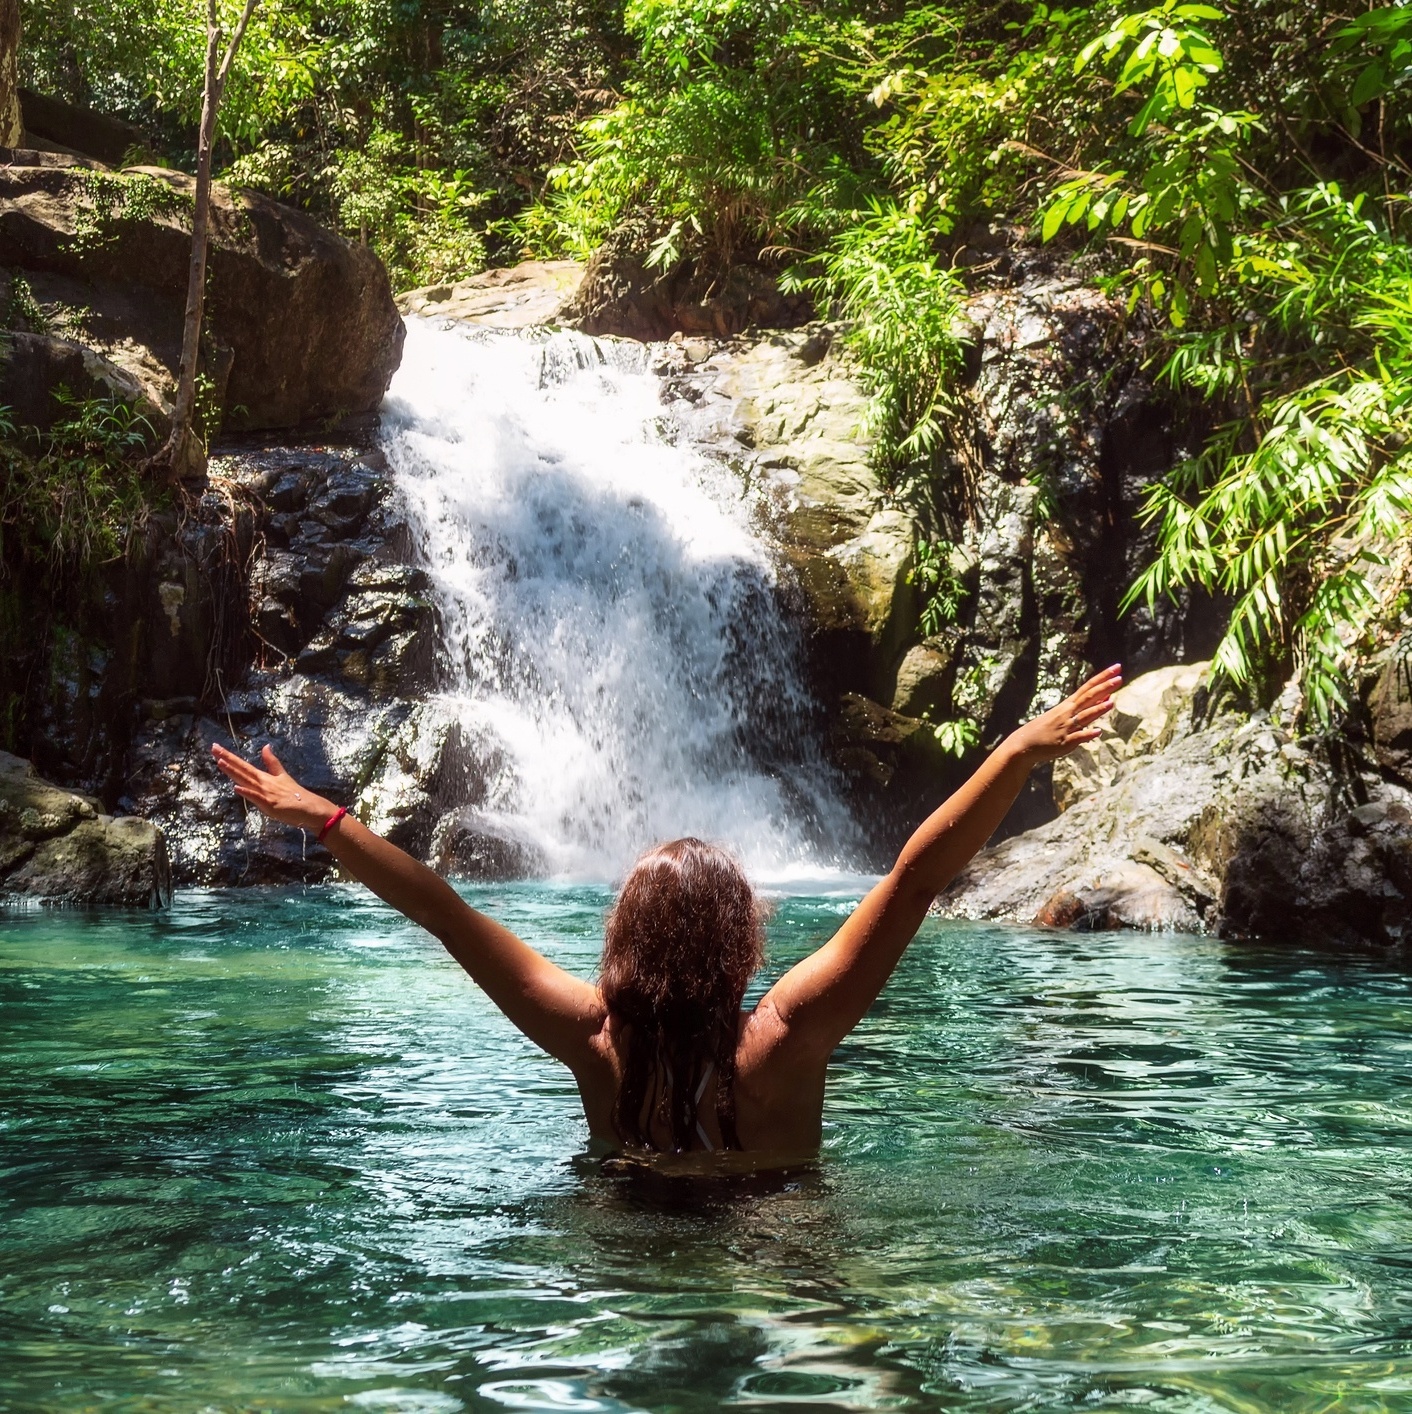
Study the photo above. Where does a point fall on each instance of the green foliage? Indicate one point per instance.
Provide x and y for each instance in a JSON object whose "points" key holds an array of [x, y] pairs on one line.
{"points": [[70, 496], [21, 309], [938, 583], [418, 125], [1237, 172], [105, 198], [903, 308], [733, 111], [956, 736]]}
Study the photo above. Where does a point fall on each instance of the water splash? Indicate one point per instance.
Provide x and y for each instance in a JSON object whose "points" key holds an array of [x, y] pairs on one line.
{"points": [[619, 669]]}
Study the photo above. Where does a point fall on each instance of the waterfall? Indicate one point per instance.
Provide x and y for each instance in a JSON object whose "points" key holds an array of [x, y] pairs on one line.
{"points": [[615, 656]]}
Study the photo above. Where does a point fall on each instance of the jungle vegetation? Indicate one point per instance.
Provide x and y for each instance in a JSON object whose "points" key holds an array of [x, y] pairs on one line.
{"points": [[1237, 174]]}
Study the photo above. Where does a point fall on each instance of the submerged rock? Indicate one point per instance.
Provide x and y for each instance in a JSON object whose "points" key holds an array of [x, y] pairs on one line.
{"points": [[302, 326], [57, 847]]}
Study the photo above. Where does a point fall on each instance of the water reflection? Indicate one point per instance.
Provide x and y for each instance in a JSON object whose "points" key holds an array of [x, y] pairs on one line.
{"points": [[277, 1153]]}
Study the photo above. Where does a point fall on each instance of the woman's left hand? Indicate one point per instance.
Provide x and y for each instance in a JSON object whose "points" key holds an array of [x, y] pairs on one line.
{"points": [[1066, 727], [274, 792]]}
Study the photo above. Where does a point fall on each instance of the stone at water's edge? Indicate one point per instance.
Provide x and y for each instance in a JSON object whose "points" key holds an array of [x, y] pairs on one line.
{"points": [[1146, 714], [59, 848], [1231, 825], [302, 323]]}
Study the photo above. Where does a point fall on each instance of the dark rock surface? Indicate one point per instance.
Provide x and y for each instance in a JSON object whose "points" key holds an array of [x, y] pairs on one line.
{"points": [[33, 366], [621, 295], [303, 329], [341, 647], [1056, 438], [60, 848], [65, 127]]}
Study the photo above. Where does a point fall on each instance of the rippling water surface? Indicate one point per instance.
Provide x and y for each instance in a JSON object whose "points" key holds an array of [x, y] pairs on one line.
{"points": [[274, 1152]]}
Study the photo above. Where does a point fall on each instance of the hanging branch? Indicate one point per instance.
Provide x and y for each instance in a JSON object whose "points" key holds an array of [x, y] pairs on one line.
{"points": [[184, 455]]}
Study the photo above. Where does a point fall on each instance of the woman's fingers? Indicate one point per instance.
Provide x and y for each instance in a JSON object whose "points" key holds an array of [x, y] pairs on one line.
{"points": [[239, 770], [1102, 684], [1092, 713], [234, 766], [267, 755]]}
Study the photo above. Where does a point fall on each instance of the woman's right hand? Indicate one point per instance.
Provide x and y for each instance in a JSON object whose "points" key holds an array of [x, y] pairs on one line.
{"points": [[274, 792]]}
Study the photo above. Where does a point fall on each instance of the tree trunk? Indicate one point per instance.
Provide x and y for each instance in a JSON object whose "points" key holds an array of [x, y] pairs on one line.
{"points": [[12, 130], [184, 454]]}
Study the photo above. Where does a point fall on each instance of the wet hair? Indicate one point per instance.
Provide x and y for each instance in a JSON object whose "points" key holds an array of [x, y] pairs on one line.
{"points": [[682, 943]]}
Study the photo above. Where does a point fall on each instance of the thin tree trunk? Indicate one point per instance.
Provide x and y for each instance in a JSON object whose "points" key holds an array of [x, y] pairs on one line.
{"points": [[184, 454], [12, 129]]}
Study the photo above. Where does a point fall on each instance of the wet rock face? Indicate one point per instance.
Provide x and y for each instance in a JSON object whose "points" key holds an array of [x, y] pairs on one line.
{"points": [[1059, 436], [343, 645], [1032, 540], [302, 323], [60, 848], [1233, 825]]}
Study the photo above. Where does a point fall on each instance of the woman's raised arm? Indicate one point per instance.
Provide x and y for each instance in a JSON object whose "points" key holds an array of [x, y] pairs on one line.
{"points": [[556, 1010], [821, 999]]}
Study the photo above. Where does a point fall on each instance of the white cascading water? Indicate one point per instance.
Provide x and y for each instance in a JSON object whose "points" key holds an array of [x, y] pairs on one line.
{"points": [[614, 648]]}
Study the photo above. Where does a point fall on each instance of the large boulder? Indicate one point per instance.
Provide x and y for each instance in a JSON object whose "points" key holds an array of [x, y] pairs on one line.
{"points": [[1181, 819], [303, 329], [60, 848], [1146, 715], [33, 366], [789, 410], [55, 126]]}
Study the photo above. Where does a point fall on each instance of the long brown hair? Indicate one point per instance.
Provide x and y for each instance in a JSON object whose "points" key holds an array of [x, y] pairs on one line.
{"points": [[682, 943]]}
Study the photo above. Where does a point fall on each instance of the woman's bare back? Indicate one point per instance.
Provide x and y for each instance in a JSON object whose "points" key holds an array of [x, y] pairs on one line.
{"points": [[779, 1103]]}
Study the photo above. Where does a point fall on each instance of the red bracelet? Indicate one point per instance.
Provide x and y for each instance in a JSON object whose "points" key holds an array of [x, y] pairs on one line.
{"points": [[332, 821]]}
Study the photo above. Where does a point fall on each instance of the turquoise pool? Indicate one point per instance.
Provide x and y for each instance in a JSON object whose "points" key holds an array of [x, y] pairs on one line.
{"points": [[274, 1152]]}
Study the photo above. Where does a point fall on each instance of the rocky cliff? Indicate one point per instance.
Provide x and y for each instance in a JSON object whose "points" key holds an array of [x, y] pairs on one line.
{"points": [[1188, 815], [60, 848]]}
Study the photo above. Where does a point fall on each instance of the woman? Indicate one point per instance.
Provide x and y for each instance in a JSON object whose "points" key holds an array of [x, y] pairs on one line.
{"points": [[664, 1056]]}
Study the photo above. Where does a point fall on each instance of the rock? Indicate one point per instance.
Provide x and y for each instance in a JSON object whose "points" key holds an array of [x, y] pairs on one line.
{"points": [[471, 845], [345, 646], [922, 677], [32, 366], [1230, 826], [621, 295], [1390, 710], [1146, 714], [534, 292], [880, 748], [59, 848], [302, 323], [788, 410], [69, 128]]}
